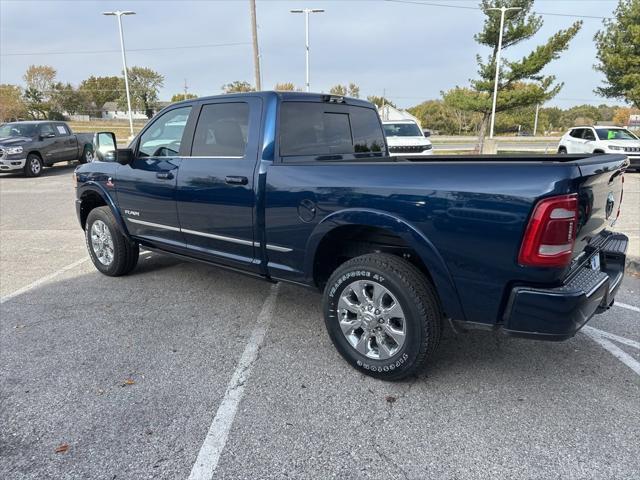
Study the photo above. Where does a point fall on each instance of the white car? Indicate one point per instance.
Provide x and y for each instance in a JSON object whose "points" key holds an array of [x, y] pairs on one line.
{"points": [[600, 139], [405, 139]]}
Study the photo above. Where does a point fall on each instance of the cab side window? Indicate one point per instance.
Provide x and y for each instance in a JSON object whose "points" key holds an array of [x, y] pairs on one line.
{"points": [[46, 130], [588, 134], [164, 136], [222, 130]]}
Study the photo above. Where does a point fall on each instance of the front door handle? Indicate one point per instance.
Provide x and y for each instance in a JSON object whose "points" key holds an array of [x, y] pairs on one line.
{"points": [[236, 180], [164, 175]]}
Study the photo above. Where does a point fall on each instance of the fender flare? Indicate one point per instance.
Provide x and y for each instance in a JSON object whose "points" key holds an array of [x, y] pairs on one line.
{"points": [[95, 187], [428, 253]]}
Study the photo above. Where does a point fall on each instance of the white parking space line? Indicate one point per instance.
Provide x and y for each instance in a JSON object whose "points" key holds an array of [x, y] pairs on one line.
{"points": [[42, 280], [616, 351], [616, 338], [627, 306], [216, 438]]}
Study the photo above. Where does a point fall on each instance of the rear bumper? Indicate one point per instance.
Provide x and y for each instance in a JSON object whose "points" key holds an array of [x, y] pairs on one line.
{"points": [[558, 313]]}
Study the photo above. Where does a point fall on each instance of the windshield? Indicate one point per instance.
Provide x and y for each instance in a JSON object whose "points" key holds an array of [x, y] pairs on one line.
{"points": [[615, 134], [17, 130], [402, 130]]}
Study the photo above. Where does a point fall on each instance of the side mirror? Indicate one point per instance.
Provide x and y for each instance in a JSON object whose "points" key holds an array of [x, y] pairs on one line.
{"points": [[104, 146], [427, 133], [124, 156]]}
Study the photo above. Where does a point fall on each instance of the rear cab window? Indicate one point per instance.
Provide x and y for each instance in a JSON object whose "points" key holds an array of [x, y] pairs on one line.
{"points": [[314, 131]]}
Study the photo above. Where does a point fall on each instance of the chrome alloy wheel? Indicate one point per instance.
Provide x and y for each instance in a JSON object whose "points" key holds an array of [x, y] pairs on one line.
{"points": [[372, 319], [35, 166], [101, 242]]}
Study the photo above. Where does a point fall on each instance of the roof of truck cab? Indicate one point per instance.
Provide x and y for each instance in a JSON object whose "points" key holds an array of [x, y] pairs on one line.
{"points": [[284, 96]]}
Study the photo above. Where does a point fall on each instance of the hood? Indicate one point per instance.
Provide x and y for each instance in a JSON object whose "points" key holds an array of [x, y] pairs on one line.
{"points": [[407, 141], [11, 141]]}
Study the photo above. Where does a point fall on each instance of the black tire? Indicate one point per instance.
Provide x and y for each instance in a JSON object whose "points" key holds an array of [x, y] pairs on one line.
{"points": [[125, 252], [84, 158], [562, 150], [417, 298], [33, 166]]}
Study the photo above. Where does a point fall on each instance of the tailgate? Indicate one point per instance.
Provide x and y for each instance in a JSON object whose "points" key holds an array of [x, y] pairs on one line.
{"points": [[599, 196]]}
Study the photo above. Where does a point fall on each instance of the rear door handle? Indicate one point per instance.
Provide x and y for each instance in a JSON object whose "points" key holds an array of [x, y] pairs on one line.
{"points": [[164, 175], [236, 180]]}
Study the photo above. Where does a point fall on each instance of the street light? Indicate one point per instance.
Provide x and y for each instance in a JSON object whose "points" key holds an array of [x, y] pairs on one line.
{"points": [[119, 14], [306, 12], [502, 11]]}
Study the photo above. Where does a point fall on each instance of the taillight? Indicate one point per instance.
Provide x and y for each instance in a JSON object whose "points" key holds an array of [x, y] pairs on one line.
{"points": [[551, 233]]}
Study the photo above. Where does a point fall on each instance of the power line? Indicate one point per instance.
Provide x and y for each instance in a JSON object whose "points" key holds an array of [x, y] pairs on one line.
{"points": [[465, 7], [88, 52]]}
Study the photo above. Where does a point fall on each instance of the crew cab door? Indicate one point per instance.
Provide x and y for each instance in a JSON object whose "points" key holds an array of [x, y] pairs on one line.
{"points": [[67, 144], [146, 188], [48, 143], [215, 190]]}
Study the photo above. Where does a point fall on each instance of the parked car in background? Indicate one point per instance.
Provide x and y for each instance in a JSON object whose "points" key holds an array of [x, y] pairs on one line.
{"points": [[299, 187], [601, 139], [30, 146], [405, 139]]}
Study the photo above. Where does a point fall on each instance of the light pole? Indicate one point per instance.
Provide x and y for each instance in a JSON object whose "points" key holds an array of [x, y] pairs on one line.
{"points": [[502, 11], [119, 14], [306, 12]]}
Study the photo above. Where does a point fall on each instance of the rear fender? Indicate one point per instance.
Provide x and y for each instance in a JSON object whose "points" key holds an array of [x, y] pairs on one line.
{"points": [[95, 187], [398, 226]]}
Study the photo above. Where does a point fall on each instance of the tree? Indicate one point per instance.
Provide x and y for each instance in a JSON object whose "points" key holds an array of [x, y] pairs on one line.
{"points": [[39, 80], [238, 86], [618, 46], [179, 97], [100, 90], [12, 106], [380, 101], [285, 87], [622, 115], [351, 90], [521, 82], [66, 99], [144, 84]]}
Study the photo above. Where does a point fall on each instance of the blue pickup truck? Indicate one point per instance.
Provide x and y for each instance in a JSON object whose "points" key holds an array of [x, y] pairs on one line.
{"points": [[300, 188]]}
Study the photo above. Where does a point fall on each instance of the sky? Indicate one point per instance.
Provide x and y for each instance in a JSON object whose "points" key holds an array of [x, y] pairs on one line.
{"points": [[408, 51]]}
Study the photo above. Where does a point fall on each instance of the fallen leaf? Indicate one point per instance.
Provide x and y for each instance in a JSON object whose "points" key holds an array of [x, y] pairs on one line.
{"points": [[128, 381], [390, 398], [62, 448]]}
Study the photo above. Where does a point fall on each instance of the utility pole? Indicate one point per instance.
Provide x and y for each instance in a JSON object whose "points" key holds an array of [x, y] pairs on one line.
{"points": [[535, 122], [502, 11], [119, 14], [306, 12], [186, 89], [256, 51]]}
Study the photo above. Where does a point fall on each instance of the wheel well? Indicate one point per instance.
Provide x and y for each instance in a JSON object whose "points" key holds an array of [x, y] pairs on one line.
{"points": [[90, 200], [349, 241], [35, 152], [562, 148], [598, 151]]}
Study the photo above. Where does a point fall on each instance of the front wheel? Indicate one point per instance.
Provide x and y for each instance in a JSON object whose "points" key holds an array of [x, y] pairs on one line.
{"points": [[33, 166], [562, 150], [382, 315], [111, 252]]}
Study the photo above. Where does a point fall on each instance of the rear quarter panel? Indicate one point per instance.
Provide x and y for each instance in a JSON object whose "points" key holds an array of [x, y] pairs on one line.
{"points": [[473, 214]]}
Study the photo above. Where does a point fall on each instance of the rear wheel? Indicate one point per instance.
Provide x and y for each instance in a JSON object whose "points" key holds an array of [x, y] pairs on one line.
{"points": [[85, 157], [562, 150], [382, 315], [33, 166], [111, 252]]}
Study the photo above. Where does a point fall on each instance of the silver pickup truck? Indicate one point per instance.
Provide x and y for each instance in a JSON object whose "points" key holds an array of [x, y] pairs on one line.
{"points": [[30, 146]]}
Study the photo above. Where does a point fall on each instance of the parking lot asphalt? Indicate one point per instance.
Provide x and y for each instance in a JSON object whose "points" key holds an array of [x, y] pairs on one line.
{"points": [[124, 377]]}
